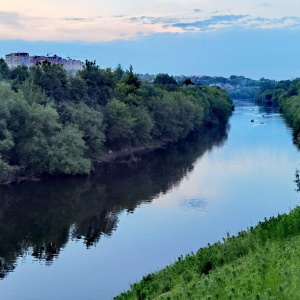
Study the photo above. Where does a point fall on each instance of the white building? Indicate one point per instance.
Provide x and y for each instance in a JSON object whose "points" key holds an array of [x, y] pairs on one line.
{"points": [[17, 59], [23, 59]]}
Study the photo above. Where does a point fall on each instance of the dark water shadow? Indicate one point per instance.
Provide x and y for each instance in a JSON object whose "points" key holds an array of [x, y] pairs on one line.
{"points": [[39, 219]]}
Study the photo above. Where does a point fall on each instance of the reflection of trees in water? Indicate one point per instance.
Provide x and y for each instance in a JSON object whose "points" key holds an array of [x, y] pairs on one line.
{"points": [[39, 219], [5, 268], [297, 180]]}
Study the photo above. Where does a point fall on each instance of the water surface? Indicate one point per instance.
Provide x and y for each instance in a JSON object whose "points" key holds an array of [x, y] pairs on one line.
{"points": [[88, 238]]}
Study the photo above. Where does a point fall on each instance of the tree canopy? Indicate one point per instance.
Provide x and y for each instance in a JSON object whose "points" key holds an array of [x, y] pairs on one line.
{"points": [[53, 122]]}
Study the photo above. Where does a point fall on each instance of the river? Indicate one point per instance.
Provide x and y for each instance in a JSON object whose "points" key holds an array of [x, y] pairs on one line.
{"points": [[88, 238]]}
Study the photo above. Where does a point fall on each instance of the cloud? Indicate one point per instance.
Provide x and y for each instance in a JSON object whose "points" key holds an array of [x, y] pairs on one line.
{"points": [[10, 19], [84, 26], [208, 23], [245, 21], [264, 4], [267, 23], [153, 20], [91, 19], [259, 49]]}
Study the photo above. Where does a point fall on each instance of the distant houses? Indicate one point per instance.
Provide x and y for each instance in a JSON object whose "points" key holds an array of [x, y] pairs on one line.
{"points": [[23, 59]]}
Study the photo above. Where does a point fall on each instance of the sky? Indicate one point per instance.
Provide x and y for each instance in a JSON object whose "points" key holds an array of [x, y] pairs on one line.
{"points": [[255, 38]]}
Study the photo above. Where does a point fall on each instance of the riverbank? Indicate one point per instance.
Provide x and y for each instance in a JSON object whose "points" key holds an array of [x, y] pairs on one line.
{"points": [[260, 263], [129, 154]]}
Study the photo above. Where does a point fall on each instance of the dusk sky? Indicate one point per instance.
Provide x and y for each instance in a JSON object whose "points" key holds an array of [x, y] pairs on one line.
{"points": [[212, 37]]}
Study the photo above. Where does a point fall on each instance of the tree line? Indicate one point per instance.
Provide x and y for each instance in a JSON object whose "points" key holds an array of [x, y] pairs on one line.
{"points": [[53, 122], [286, 95]]}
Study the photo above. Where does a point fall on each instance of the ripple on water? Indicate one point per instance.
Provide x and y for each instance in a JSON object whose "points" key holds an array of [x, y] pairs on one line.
{"points": [[195, 204]]}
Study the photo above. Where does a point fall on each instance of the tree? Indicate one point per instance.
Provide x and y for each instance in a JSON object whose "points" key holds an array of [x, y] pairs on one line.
{"points": [[33, 93], [89, 121], [188, 81], [34, 141], [19, 75], [143, 125], [4, 69], [46, 146], [99, 82], [128, 85], [118, 72], [79, 90], [6, 139], [66, 153], [119, 123], [164, 79], [132, 79], [52, 79]]}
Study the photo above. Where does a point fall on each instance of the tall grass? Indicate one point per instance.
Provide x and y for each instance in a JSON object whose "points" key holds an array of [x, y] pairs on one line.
{"points": [[260, 263]]}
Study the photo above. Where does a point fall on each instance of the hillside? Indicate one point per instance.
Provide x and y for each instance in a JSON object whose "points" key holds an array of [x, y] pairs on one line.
{"points": [[260, 263]]}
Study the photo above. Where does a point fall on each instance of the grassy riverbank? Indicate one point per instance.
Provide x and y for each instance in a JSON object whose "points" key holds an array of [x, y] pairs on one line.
{"points": [[260, 263]]}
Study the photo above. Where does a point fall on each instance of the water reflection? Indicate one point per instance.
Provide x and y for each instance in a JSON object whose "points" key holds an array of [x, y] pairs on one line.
{"points": [[39, 219], [297, 180], [197, 204]]}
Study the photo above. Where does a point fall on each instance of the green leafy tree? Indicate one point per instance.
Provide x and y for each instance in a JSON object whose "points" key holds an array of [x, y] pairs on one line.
{"points": [[34, 145], [142, 127], [4, 69], [220, 106], [128, 87], [164, 79], [52, 79], [119, 123], [79, 90], [118, 73], [33, 93], [66, 153], [89, 121], [99, 82], [165, 114], [188, 81], [6, 139], [48, 147], [19, 75]]}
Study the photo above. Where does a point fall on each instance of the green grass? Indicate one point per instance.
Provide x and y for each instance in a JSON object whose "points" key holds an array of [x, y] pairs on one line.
{"points": [[260, 263]]}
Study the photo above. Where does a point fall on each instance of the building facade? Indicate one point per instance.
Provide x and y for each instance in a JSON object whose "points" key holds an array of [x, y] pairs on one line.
{"points": [[17, 59], [23, 59]]}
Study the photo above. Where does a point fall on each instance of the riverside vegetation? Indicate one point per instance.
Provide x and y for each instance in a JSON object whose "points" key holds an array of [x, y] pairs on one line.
{"points": [[286, 95], [55, 123], [260, 263]]}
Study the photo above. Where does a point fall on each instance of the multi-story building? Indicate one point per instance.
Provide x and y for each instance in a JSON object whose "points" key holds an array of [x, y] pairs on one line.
{"points": [[17, 59], [23, 59]]}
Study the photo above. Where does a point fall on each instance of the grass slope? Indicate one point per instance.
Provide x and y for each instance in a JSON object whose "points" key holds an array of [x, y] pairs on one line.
{"points": [[260, 263]]}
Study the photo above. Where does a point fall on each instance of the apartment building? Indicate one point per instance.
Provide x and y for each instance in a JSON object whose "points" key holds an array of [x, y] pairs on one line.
{"points": [[23, 59], [17, 59]]}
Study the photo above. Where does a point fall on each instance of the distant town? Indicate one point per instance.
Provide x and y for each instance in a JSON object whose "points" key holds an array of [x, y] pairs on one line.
{"points": [[238, 87], [14, 60]]}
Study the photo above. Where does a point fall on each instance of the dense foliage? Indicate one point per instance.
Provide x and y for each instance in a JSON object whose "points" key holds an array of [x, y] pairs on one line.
{"points": [[238, 87], [261, 263], [52, 122], [286, 95]]}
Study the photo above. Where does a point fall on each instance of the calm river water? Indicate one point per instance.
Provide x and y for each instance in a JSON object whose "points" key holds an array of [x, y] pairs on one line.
{"points": [[88, 238]]}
